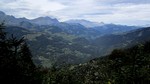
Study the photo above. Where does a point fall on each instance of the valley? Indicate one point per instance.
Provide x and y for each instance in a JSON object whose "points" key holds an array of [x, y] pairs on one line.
{"points": [[46, 51], [59, 43]]}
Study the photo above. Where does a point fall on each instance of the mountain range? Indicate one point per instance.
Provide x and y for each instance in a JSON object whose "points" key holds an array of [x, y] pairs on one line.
{"points": [[85, 23], [72, 42]]}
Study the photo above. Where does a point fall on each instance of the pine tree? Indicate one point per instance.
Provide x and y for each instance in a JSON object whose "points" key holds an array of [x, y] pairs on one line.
{"points": [[16, 65]]}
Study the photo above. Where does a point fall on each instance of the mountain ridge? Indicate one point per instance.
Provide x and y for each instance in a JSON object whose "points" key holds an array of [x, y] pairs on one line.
{"points": [[64, 43], [85, 23]]}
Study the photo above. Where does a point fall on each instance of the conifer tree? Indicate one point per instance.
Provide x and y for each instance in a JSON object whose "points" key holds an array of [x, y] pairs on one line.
{"points": [[16, 65]]}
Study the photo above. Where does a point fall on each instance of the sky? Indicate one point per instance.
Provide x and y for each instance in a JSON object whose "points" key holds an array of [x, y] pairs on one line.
{"points": [[126, 12]]}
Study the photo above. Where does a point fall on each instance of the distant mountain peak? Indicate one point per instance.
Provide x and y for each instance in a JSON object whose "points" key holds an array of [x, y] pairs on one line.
{"points": [[44, 20], [85, 23], [11, 20], [2, 13]]}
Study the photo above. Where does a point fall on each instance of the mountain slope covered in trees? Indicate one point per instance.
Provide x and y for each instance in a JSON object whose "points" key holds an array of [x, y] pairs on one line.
{"points": [[65, 52], [122, 66], [59, 43]]}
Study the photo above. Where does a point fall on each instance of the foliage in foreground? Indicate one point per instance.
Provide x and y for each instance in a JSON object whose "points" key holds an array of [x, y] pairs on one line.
{"points": [[16, 66], [128, 66]]}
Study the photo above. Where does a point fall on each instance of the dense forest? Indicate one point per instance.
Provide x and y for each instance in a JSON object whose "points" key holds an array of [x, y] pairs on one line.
{"points": [[122, 66]]}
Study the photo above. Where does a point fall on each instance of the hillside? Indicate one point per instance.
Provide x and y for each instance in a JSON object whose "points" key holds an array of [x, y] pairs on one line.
{"points": [[123, 66], [61, 48], [59, 43], [74, 41], [124, 40], [132, 63], [57, 47]]}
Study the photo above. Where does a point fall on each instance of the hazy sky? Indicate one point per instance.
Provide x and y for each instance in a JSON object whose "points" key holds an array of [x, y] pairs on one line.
{"points": [[130, 12]]}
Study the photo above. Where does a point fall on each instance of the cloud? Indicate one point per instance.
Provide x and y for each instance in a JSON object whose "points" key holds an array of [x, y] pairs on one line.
{"points": [[8, 1], [129, 12], [30, 7], [126, 14], [135, 1]]}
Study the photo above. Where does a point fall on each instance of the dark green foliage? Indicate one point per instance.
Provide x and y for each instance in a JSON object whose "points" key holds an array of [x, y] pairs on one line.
{"points": [[131, 66], [53, 41], [128, 66], [16, 66]]}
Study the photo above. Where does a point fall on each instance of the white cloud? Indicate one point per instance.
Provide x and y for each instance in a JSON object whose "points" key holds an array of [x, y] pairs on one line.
{"points": [[109, 11], [30, 7], [126, 14]]}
